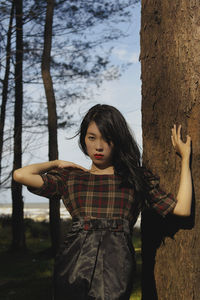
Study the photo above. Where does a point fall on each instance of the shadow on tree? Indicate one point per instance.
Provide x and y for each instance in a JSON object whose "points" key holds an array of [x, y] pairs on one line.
{"points": [[154, 229]]}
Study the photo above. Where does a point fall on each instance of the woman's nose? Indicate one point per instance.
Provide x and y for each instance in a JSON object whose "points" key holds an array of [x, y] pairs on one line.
{"points": [[99, 146]]}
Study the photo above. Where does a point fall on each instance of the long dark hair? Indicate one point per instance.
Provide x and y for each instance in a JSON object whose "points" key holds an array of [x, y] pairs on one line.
{"points": [[126, 155]]}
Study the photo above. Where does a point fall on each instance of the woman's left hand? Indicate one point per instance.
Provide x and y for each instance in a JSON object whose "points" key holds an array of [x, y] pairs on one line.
{"points": [[67, 164], [184, 149]]}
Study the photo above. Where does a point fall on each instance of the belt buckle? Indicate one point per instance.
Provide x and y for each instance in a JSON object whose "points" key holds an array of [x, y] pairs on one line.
{"points": [[86, 225]]}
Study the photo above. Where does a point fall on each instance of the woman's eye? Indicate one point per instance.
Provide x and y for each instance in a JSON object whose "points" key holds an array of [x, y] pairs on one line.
{"points": [[91, 138]]}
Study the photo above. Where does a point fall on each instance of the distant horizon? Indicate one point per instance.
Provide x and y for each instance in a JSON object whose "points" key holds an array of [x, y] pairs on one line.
{"points": [[29, 204]]}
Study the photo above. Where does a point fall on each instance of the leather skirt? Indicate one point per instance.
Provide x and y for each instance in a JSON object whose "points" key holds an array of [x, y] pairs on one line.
{"points": [[96, 261]]}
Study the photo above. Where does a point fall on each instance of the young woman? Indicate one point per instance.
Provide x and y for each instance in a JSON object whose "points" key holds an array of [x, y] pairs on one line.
{"points": [[97, 259]]}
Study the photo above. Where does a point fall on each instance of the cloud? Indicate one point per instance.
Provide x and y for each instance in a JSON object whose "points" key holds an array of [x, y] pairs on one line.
{"points": [[124, 55], [134, 58], [120, 53]]}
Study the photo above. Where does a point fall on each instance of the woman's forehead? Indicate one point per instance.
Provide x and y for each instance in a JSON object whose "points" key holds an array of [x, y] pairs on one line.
{"points": [[93, 128]]}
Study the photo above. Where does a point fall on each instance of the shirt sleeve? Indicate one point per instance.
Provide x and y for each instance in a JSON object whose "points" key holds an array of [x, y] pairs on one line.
{"points": [[162, 202], [54, 184]]}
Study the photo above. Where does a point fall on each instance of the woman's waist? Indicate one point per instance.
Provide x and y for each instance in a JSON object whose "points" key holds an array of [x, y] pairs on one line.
{"points": [[96, 224]]}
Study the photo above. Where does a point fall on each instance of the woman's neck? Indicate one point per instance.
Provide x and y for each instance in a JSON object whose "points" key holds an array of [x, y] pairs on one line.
{"points": [[96, 170]]}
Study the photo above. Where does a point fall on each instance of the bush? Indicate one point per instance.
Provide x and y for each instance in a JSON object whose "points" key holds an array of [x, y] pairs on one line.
{"points": [[37, 229], [5, 220]]}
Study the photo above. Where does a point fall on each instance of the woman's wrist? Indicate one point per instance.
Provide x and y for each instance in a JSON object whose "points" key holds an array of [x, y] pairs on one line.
{"points": [[54, 163], [185, 160]]}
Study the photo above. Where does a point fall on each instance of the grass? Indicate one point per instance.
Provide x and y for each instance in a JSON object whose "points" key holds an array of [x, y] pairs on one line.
{"points": [[25, 275], [136, 294], [29, 275]]}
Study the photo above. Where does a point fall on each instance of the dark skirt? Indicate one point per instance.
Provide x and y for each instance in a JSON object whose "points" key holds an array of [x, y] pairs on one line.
{"points": [[96, 261]]}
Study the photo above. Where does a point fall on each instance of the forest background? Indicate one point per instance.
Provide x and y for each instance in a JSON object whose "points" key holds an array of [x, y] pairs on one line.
{"points": [[55, 57], [58, 58], [119, 85], [169, 57]]}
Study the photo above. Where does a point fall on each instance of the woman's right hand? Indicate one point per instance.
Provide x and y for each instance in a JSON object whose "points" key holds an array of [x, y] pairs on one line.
{"points": [[67, 164], [184, 149]]}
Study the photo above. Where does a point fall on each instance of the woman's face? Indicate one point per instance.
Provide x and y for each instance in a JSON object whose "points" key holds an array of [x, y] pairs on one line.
{"points": [[98, 149]]}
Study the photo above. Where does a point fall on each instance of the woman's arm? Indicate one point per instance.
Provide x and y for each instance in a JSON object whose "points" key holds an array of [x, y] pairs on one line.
{"points": [[30, 175], [184, 195]]}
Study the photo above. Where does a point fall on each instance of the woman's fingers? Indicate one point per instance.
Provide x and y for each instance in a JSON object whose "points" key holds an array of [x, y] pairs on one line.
{"points": [[176, 133], [174, 136], [66, 164], [179, 132], [173, 143], [183, 148]]}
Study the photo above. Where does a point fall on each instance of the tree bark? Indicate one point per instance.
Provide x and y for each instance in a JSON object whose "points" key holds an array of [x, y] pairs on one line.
{"points": [[54, 203], [170, 58], [5, 85], [18, 242]]}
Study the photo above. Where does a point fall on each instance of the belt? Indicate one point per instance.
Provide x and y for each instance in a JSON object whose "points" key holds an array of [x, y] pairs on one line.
{"points": [[88, 224]]}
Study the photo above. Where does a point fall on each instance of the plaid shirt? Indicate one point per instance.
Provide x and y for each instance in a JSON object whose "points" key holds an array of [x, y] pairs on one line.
{"points": [[99, 196]]}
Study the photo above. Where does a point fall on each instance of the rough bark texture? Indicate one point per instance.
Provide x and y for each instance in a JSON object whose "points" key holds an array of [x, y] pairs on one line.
{"points": [[18, 242], [170, 57], [5, 84], [54, 204]]}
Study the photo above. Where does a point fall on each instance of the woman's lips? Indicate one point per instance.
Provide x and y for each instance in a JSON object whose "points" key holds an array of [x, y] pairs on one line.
{"points": [[98, 156]]}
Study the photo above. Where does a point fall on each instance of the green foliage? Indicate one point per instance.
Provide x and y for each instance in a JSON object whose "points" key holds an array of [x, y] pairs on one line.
{"points": [[37, 229], [136, 238], [25, 275]]}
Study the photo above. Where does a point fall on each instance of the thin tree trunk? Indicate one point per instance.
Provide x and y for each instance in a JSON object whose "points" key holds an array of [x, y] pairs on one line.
{"points": [[170, 57], [5, 85], [54, 203], [18, 242]]}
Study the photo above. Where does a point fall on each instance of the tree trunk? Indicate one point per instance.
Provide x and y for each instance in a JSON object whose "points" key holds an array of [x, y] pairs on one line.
{"points": [[54, 203], [5, 85], [18, 242], [170, 57]]}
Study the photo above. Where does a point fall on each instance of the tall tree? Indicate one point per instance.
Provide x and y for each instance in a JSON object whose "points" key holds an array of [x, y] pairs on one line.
{"points": [[78, 59], [54, 204], [5, 84], [170, 94], [18, 242]]}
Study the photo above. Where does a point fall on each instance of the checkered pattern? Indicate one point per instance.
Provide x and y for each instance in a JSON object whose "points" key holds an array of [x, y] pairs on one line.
{"points": [[99, 196]]}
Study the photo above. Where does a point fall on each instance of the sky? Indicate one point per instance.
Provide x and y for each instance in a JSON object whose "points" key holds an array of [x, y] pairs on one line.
{"points": [[123, 93]]}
